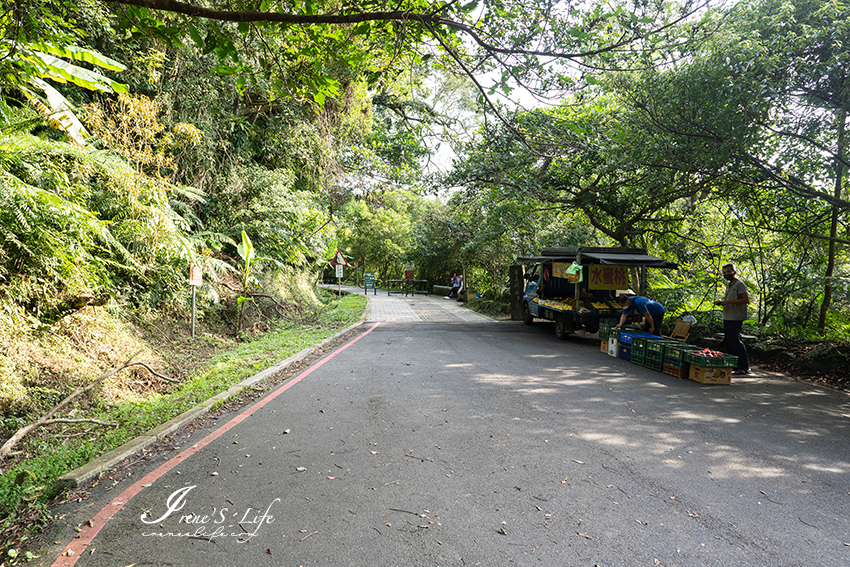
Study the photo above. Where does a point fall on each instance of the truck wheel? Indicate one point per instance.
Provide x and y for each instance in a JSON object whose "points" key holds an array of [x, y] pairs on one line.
{"points": [[561, 328], [526, 315]]}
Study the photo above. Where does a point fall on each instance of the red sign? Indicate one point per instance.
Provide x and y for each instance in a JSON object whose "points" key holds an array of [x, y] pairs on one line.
{"points": [[339, 259], [196, 277]]}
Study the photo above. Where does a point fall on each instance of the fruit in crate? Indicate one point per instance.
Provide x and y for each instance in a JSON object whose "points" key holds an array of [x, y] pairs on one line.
{"points": [[709, 352]]}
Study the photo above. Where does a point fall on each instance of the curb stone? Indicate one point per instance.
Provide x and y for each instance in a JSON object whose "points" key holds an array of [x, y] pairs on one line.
{"points": [[104, 462]]}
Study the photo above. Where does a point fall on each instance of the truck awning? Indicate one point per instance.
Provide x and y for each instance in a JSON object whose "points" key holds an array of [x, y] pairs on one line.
{"points": [[610, 258], [629, 260]]}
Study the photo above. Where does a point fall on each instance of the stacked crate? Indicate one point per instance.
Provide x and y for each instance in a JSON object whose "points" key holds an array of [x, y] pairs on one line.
{"points": [[639, 350], [627, 343], [655, 353], [674, 359], [605, 333], [711, 369]]}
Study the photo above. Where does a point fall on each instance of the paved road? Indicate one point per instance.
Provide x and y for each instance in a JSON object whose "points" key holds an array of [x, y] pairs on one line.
{"points": [[457, 442]]}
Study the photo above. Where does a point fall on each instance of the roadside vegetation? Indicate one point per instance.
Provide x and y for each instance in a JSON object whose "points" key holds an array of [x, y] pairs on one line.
{"points": [[135, 400]]}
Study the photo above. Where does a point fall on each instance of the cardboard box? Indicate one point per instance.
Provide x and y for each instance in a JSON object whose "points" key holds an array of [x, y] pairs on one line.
{"points": [[604, 346], [613, 347], [711, 374]]}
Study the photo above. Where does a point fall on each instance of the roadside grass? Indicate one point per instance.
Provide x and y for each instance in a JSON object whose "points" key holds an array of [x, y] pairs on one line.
{"points": [[51, 452], [496, 309]]}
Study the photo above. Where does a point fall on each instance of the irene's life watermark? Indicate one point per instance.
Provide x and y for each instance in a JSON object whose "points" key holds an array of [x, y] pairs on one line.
{"points": [[209, 526]]}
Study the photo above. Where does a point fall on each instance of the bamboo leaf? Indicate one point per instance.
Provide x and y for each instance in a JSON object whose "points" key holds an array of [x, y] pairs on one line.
{"points": [[81, 54]]}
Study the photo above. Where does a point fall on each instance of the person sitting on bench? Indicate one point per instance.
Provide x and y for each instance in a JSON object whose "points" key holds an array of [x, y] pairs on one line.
{"points": [[455, 286]]}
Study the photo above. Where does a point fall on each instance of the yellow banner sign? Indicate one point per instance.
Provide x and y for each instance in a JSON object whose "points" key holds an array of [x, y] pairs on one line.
{"points": [[608, 277], [559, 269]]}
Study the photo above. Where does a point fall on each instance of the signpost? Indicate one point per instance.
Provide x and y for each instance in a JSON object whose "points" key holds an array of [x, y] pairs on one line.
{"points": [[196, 280], [369, 283], [339, 261]]}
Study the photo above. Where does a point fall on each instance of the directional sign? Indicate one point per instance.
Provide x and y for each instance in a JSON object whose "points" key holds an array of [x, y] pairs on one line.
{"points": [[339, 259]]}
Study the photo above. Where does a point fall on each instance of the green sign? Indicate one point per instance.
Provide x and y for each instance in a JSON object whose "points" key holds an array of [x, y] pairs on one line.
{"points": [[369, 280]]}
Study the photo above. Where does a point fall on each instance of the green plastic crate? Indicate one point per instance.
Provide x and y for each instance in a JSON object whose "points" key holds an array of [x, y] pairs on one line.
{"points": [[654, 356], [637, 358], [678, 352], [726, 361], [658, 345], [675, 362], [641, 342], [654, 364]]}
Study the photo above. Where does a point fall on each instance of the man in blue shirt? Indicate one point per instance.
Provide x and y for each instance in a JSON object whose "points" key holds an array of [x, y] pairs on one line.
{"points": [[651, 310]]}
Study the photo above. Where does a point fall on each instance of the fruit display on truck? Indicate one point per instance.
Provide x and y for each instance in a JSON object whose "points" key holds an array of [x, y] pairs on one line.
{"points": [[576, 287]]}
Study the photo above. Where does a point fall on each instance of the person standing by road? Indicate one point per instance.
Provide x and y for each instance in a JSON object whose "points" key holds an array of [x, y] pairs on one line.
{"points": [[734, 305], [651, 310]]}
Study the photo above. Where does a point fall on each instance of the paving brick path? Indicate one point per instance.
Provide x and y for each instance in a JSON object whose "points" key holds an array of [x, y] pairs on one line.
{"points": [[414, 308]]}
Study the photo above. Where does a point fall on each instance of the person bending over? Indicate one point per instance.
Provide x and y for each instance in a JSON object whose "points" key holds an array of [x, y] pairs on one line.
{"points": [[651, 310]]}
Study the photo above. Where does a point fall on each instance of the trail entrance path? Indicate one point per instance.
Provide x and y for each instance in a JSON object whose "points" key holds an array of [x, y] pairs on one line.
{"points": [[456, 442]]}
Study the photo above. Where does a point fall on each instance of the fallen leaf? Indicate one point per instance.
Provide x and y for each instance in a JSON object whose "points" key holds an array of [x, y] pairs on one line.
{"points": [[301, 469], [584, 535], [565, 479], [268, 550], [331, 477], [502, 531]]}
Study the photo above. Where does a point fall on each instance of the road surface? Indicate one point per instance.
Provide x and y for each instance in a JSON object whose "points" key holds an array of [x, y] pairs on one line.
{"points": [[439, 437]]}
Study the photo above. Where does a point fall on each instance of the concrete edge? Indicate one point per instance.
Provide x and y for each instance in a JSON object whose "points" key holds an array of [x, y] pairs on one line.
{"points": [[103, 463]]}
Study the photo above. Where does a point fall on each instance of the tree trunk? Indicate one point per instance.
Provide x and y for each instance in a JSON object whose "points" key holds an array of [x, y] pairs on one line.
{"points": [[841, 120]]}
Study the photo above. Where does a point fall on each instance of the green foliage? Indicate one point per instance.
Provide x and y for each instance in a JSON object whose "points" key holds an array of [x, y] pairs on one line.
{"points": [[78, 221], [376, 231], [49, 457]]}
